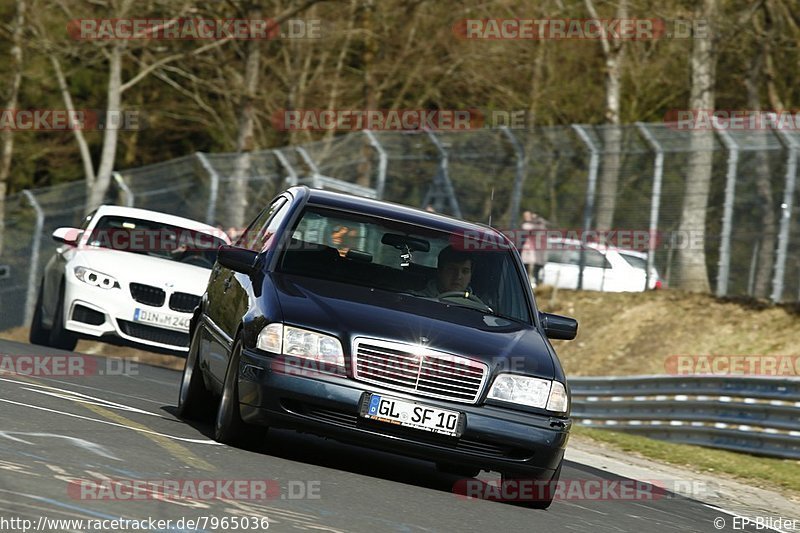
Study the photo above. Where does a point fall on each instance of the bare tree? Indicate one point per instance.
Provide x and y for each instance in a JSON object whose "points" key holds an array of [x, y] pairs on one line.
{"points": [[7, 136], [614, 54], [762, 55], [236, 203], [692, 272]]}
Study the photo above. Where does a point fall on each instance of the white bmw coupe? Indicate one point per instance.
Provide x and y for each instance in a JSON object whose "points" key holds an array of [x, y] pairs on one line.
{"points": [[126, 273]]}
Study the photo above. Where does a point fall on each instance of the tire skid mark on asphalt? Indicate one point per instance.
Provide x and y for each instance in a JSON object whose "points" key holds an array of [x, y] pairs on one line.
{"points": [[122, 425], [178, 451], [63, 505], [85, 398], [77, 441], [28, 381]]}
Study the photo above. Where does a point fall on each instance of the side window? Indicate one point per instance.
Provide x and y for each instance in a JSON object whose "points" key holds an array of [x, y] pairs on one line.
{"points": [[277, 212], [247, 238], [555, 256], [596, 259]]}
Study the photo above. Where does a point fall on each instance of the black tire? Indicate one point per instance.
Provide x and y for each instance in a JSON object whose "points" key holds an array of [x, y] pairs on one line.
{"points": [[543, 494], [229, 428], [39, 334], [194, 400], [60, 337]]}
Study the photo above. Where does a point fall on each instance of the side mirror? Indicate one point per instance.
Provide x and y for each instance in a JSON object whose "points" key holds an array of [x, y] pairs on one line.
{"points": [[237, 259], [559, 327], [67, 236], [5, 271]]}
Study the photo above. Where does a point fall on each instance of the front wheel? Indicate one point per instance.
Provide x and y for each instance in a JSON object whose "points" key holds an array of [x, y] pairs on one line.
{"points": [[229, 428], [60, 337], [39, 334], [543, 490], [194, 401]]}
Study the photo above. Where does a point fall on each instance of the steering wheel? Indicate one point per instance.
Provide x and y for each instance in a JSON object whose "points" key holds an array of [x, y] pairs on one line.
{"points": [[467, 296]]}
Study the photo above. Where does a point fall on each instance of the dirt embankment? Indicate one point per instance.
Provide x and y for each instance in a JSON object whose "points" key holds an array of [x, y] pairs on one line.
{"points": [[109, 350], [636, 333], [618, 333]]}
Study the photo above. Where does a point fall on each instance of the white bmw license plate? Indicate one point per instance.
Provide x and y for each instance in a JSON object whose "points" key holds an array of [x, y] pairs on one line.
{"points": [[164, 320], [412, 414]]}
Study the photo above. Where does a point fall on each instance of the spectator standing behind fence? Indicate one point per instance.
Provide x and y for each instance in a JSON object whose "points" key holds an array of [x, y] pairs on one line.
{"points": [[533, 251]]}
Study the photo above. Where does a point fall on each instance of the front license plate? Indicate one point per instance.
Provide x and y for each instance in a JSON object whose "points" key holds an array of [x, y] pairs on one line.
{"points": [[412, 414], [163, 320]]}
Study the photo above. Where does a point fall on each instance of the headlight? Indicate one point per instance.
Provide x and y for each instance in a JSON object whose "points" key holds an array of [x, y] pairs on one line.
{"points": [[530, 391], [298, 342], [95, 278]]}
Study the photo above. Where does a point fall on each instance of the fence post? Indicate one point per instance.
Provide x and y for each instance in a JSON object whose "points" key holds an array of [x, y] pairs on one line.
{"points": [[444, 177], [33, 273], [724, 265], [786, 215], [213, 189], [519, 179], [383, 163], [316, 183], [288, 166], [126, 191], [591, 186], [655, 202]]}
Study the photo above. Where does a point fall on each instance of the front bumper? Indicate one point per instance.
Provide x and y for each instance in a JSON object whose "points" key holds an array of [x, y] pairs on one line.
{"points": [[95, 312], [494, 438]]}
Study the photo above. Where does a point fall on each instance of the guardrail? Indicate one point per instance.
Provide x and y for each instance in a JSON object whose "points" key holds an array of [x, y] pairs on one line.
{"points": [[758, 415]]}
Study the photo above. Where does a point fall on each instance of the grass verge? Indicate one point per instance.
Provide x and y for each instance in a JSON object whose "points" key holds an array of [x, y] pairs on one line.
{"points": [[781, 475]]}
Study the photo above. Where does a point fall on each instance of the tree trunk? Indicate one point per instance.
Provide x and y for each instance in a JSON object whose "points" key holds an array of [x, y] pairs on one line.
{"points": [[768, 226], [614, 53], [97, 192], [7, 136], [236, 200], [368, 50], [692, 272]]}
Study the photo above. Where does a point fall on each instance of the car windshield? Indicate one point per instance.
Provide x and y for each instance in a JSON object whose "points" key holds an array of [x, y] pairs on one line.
{"points": [[155, 239], [399, 257]]}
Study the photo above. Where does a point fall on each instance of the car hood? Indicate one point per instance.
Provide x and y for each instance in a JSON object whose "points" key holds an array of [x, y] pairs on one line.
{"points": [[129, 267], [350, 311]]}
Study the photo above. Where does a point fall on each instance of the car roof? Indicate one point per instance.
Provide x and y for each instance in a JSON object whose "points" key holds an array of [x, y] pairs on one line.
{"points": [[393, 211], [157, 216]]}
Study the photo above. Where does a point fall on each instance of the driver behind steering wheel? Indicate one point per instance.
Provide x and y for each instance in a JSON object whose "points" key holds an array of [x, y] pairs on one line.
{"points": [[453, 274]]}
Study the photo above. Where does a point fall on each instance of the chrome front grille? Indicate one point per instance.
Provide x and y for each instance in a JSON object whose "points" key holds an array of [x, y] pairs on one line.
{"points": [[418, 369]]}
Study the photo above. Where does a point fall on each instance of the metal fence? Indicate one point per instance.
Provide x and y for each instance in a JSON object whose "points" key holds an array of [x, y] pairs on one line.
{"points": [[744, 414], [751, 233]]}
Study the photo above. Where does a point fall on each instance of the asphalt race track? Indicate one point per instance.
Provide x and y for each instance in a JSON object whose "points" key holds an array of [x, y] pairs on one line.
{"points": [[110, 427]]}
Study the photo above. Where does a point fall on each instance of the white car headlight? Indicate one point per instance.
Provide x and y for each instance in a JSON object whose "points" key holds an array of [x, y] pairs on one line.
{"points": [[298, 342], [95, 278], [530, 391]]}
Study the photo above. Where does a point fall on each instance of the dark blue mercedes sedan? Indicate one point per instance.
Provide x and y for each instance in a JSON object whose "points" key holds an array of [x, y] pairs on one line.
{"points": [[383, 326]]}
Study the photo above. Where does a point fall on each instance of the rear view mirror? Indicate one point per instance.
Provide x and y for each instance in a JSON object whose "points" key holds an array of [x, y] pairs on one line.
{"points": [[67, 236], [402, 241], [237, 259], [559, 327]]}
